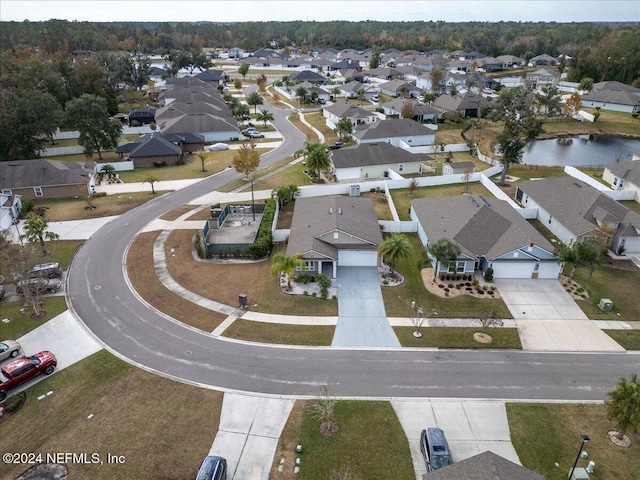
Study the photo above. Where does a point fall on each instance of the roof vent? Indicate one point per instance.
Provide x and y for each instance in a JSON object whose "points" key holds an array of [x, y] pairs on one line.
{"points": [[340, 211], [577, 184], [330, 210]]}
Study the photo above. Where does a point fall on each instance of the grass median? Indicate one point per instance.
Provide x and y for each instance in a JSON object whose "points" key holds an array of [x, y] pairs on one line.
{"points": [[310, 335], [370, 440], [457, 337]]}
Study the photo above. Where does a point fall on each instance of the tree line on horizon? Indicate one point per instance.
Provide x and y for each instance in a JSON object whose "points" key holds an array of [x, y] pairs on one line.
{"points": [[600, 50]]}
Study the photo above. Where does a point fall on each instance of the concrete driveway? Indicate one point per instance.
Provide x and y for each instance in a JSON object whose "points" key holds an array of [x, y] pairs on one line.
{"points": [[471, 427], [248, 435], [549, 319], [362, 321]]}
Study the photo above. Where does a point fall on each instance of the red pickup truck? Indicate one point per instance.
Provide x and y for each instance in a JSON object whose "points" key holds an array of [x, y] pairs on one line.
{"points": [[22, 369]]}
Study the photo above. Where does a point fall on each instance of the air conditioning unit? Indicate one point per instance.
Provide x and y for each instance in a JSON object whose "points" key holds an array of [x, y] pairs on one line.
{"points": [[606, 305]]}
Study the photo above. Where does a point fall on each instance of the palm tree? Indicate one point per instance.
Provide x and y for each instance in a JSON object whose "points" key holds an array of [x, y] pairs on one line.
{"points": [[264, 116], [151, 180], [282, 195], [344, 128], [335, 91], [35, 230], [254, 99], [288, 265], [394, 248], [301, 93], [360, 93], [202, 155], [623, 405], [444, 250], [317, 157]]}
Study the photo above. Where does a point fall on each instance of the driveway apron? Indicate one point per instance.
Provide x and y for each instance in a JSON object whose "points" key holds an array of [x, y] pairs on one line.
{"points": [[548, 319], [362, 321]]}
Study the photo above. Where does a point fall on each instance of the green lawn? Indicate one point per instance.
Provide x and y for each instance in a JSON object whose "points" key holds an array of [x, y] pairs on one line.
{"points": [[457, 337], [621, 286], [370, 440], [20, 324], [402, 200], [544, 434], [628, 339], [280, 333], [103, 405], [396, 298]]}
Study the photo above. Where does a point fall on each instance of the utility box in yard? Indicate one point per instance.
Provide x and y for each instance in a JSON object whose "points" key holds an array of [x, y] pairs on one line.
{"points": [[606, 305]]}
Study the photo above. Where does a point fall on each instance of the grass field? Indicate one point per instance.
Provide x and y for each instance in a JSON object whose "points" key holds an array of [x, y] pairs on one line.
{"points": [[320, 335], [544, 434], [20, 324], [370, 441], [628, 339], [103, 405]]}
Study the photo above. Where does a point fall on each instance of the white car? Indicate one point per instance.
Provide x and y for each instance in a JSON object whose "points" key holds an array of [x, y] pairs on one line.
{"points": [[218, 146], [9, 349], [375, 98]]}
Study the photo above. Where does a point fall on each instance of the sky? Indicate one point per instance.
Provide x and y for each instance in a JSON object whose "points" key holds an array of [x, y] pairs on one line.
{"points": [[322, 10]]}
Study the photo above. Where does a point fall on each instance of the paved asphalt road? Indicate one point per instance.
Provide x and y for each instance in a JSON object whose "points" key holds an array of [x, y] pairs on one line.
{"points": [[98, 293]]}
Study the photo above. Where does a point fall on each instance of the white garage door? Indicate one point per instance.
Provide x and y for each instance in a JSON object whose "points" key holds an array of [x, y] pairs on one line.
{"points": [[512, 269], [358, 258]]}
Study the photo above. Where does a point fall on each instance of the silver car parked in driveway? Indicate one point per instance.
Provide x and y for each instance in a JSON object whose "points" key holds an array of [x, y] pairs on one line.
{"points": [[9, 349]]}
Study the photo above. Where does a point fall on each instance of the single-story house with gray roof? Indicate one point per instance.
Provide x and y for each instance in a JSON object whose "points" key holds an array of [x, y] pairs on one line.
{"points": [[374, 160], [624, 176], [397, 131], [484, 466], [339, 110], [421, 112], [334, 231], [573, 211], [147, 150], [395, 88], [489, 232], [614, 96], [41, 178]]}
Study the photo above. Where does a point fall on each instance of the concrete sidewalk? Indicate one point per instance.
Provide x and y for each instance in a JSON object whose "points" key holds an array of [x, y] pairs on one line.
{"points": [[248, 434], [471, 427]]}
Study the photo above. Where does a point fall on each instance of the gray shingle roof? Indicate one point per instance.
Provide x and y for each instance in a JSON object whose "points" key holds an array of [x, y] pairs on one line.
{"points": [[176, 109], [630, 171], [397, 104], [367, 154], [316, 219], [401, 127], [348, 110], [481, 226], [155, 146], [198, 122], [573, 203], [40, 173], [485, 466]]}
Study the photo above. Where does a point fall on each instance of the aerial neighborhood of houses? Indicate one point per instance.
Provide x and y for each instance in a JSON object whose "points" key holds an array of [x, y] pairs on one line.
{"points": [[397, 143]]}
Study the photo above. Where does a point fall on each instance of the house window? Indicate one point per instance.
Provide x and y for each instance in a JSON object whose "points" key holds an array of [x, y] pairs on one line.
{"points": [[456, 267], [310, 266], [388, 140], [410, 139], [401, 167], [621, 183], [550, 218], [615, 181], [6, 191], [37, 191]]}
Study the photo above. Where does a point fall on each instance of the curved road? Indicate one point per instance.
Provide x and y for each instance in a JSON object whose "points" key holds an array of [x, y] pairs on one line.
{"points": [[99, 295]]}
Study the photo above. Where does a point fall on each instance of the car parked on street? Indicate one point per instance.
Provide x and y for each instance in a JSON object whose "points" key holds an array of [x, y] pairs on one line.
{"points": [[9, 349], [23, 369], [435, 449], [255, 135]]}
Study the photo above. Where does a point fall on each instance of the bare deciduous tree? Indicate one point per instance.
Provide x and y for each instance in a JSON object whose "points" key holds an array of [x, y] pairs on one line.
{"points": [[321, 408]]}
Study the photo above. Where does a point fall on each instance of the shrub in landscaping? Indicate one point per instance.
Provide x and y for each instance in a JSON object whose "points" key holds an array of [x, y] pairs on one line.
{"points": [[264, 241], [305, 278], [27, 206], [160, 164], [488, 275], [99, 194]]}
